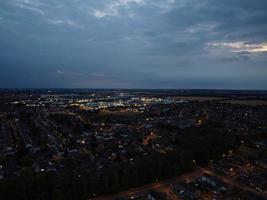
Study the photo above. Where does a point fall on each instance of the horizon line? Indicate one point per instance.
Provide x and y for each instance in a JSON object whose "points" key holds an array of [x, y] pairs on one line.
{"points": [[73, 88]]}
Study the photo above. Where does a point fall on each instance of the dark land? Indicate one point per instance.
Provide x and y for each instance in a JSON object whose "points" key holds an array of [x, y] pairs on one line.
{"points": [[151, 144]]}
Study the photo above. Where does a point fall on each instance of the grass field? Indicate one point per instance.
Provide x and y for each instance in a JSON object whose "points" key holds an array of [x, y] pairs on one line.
{"points": [[192, 98], [246, 102]]}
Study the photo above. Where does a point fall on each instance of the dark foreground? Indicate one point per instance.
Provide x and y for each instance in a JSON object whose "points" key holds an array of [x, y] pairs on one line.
{"points": [[80, 144]]}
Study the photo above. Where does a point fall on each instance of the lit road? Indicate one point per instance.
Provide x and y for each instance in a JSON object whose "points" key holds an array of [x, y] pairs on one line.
{"points": [[162, 186], [165, 186]]}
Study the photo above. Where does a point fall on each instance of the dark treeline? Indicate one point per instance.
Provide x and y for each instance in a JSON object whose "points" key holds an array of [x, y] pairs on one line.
{"points": [[200, 144]]}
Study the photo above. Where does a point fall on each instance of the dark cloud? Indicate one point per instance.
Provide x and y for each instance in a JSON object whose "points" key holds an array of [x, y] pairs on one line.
{"points": [[133, 43]]}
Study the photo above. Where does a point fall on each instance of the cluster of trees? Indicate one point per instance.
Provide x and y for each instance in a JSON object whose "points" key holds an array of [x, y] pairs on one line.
{"points": [[200, 144]]}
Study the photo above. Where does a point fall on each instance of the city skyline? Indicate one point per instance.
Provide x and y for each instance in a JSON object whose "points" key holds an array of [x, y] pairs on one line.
{"points": [[174, 44]]}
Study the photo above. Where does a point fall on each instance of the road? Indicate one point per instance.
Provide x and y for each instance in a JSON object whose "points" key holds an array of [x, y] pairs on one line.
{"points": [[165, 186], [162, 186]]}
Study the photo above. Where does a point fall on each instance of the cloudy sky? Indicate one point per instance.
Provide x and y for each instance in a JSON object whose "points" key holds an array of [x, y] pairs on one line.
{"points": [[220, 44]]}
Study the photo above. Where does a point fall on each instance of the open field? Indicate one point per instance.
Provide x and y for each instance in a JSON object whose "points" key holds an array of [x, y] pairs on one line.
{"points": [[200, 98], [247, 102], [119, 112]]}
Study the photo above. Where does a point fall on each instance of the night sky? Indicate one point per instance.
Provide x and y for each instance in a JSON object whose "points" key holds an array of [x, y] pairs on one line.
{"points": [[183, 44]]}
